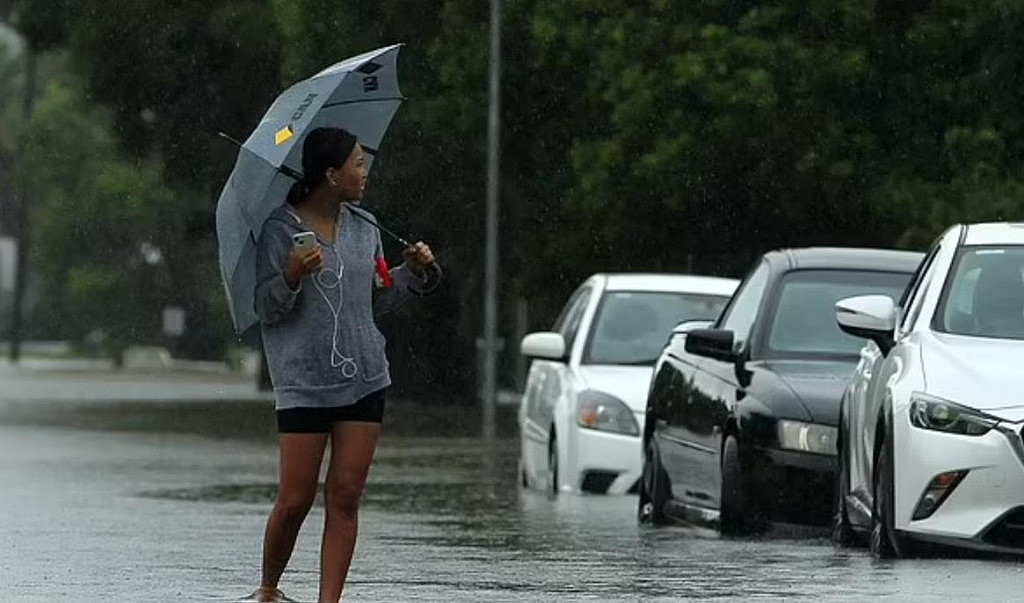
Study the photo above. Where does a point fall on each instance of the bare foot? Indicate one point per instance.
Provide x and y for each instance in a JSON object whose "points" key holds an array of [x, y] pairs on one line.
{"points": [[269, 594]]}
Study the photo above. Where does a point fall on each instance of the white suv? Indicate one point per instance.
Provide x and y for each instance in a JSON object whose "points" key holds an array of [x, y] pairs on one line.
{"points": [[930, 442]]}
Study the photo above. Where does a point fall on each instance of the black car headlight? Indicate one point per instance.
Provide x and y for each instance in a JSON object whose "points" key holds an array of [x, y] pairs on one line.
{"points": [[929, 412], [602, 412], [807, 437]]}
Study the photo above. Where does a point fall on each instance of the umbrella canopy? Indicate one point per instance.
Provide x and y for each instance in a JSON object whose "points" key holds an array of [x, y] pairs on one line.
{"points": [[360, 94]]}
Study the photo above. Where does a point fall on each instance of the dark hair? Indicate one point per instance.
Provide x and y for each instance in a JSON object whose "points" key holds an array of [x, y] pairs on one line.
{"points": [[322, 148]]}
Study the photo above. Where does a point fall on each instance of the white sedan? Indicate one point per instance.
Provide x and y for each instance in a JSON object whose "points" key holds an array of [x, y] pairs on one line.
{"points": [[586, 392], [930, 445]]}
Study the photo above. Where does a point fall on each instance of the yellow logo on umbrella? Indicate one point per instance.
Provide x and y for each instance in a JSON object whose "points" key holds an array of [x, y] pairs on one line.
{"points": [[283, 135]]}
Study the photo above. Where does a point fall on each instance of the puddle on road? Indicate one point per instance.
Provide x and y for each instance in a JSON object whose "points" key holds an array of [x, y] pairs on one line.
{"points": [[233, 493], [446, 520]]}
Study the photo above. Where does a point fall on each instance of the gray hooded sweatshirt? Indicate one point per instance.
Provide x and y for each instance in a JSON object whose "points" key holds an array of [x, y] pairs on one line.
{"points": [[323, 347]]}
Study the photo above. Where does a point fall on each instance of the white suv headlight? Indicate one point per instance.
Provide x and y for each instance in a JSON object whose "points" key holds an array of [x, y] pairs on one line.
{"points": [[929, 412], [595, 410], [807, 437]]}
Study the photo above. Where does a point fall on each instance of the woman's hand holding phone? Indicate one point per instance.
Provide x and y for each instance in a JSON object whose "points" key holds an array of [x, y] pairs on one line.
{"points": [[304, 258]]}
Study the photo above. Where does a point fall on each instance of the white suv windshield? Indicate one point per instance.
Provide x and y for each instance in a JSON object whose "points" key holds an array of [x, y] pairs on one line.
{"points": [[985, 295], [633, 327]]}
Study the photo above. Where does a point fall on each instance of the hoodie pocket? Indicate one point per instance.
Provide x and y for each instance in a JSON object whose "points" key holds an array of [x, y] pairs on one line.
{"points": [[374, 358]]}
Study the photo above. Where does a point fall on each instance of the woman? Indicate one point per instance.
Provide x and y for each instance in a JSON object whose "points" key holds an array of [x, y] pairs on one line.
{"points": [[325, 354]]}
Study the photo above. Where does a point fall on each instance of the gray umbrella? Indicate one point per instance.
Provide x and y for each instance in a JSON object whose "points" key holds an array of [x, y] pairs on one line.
{"points": [[359, 94]]}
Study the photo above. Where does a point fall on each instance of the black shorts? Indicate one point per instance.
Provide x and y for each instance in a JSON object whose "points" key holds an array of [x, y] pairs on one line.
{"points": [[369, 409]]}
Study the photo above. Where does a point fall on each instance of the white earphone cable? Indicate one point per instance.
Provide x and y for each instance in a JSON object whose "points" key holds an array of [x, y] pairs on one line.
{"points": [[348, 365]]}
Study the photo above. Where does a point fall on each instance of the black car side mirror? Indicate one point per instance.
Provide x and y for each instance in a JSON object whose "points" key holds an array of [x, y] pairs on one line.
{"points": [[712, 343]]}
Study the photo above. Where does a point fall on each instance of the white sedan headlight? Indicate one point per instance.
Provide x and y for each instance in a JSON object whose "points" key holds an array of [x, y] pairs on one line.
{"points": [[602, 412], [807, 437], [929, 412]]}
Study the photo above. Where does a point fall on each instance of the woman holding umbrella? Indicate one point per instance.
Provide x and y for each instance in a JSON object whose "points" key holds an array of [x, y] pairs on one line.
{"points": [[316, 307]]}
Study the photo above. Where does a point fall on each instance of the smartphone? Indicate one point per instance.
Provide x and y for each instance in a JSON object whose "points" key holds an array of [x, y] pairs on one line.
{"points": [[304, 241]]}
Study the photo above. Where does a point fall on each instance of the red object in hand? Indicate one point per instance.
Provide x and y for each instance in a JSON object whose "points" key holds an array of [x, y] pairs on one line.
{"points": [[382, 272]]}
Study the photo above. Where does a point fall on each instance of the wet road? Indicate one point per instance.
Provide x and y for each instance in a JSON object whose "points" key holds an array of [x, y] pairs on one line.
{"points": [[166, 499]]}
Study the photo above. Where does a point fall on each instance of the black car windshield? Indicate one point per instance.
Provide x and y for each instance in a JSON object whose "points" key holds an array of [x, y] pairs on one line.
{"points": [[805, 319], [985, 296], [633, 327]]}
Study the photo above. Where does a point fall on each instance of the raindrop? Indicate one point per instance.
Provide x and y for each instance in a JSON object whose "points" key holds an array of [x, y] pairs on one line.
{"points": [[151, 253]]}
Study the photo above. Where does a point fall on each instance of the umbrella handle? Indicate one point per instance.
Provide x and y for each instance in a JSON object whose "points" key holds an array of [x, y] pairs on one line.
{"points": [[434, 274]]}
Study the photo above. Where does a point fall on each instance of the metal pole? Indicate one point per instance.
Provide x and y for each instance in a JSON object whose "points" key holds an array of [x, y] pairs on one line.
{"points": [[491, 262], [21, 221]]}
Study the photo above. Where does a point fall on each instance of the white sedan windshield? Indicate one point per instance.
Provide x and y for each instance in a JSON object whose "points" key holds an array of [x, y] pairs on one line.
{"points": [[985, 297], [633, 327]]}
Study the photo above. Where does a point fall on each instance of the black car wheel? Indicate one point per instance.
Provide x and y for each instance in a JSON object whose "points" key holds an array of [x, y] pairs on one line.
{"points": [[654, 487], [733, 519], [842, 530], [884, 543], [553, 467]]}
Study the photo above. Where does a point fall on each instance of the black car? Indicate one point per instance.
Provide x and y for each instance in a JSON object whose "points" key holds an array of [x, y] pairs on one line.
{"points": [[741, 417]]}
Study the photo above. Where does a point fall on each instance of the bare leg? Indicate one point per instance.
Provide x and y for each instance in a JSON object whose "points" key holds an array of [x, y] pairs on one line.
{"points": [[352, 447], [301, 455]]}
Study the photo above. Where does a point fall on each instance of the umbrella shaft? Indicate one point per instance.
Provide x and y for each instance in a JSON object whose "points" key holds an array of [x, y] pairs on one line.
{"points": [[377, 226]]}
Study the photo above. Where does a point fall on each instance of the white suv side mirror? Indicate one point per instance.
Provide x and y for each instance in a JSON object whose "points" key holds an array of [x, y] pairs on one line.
{"points": [[549, 346], [869, 317]]}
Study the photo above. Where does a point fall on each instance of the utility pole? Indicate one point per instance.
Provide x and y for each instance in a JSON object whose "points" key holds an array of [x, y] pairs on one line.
{"points": [[490, 367], [21, 219]]}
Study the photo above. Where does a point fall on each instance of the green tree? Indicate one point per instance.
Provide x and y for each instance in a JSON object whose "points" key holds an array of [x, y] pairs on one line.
{"points": [[99, 224], [10, 130], [956, 146], [172, 75], [732, 127]]}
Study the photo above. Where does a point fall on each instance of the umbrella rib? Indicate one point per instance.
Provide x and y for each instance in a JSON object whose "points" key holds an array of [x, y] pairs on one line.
{"points": [[364, 100], [231, 139]]}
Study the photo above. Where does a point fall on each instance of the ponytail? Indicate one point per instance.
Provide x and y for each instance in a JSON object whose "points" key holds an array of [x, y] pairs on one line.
{"points": [[296, 194]]}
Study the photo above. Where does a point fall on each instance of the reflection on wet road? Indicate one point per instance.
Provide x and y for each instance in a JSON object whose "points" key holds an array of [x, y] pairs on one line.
{"points": [[166, 501]]}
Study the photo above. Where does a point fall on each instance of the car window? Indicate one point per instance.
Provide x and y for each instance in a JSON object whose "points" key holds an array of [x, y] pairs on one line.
{"points": [[910, 293], [563, 316], [917, 302], [633, 327], [742, 311], [569, 323], [985, 294], [961, 295], [804, 320]]}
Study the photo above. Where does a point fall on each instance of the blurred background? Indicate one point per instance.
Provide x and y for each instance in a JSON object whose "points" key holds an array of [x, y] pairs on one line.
{"points": [[639, 135]]}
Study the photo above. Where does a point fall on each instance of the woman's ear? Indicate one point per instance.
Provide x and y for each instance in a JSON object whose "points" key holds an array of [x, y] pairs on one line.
{"points": [[330, 177]]}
